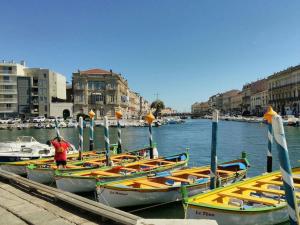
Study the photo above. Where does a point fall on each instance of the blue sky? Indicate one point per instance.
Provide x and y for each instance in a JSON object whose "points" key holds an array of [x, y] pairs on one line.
{"points": [[184, 50]]}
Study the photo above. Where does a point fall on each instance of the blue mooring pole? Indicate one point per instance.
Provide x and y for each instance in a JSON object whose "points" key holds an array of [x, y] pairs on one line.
{"points": [[106, 138], [91, 133], [270, 142], [80, 128], [286, 170], [214, 161]]}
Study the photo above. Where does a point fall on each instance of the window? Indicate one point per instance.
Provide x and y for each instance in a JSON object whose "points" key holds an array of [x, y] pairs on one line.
{"points": [[6, 78], [46, 108], [8, 105], [45, 75]]}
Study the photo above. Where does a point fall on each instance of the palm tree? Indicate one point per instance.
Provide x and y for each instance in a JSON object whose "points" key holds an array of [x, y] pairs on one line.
{"points": [[158, 105]]}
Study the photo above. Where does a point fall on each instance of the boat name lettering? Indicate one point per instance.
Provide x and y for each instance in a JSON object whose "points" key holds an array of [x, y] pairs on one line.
{"points": [[117, 193], [203, 213]]}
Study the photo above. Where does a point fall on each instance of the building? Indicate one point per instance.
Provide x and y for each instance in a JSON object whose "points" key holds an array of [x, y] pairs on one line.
{"points": [[9, 73], [144, 107], [46, 87], [227, 98], [29, 91], [236, 103], [168, 111], [134, 107], [284, 89], [102, 91], [200, 109], [249, 90], [259, 103]]}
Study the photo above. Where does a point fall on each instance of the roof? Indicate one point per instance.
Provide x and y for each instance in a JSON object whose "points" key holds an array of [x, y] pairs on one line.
{"points": [[94, 71]]}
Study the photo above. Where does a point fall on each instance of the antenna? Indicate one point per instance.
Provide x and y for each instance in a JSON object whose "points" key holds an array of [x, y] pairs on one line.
{"points": [[156, 95]]}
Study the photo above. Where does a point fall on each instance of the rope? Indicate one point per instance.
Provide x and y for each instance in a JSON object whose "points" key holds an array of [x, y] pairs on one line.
{"points": [[153, 206]]}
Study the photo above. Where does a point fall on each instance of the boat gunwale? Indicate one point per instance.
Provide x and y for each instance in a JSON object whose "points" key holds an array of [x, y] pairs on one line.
{"points": [[109, 184], [194, 204]]}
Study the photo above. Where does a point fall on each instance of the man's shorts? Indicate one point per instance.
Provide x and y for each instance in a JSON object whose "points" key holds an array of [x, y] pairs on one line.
{"points": [[61, 162]]}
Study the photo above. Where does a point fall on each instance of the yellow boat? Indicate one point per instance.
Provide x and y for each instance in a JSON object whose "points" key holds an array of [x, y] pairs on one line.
{"points": [[85, 181], [167, 186], [259, 200]]}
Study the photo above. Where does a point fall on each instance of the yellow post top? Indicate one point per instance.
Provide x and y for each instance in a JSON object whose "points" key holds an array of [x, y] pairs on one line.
{"points": [[119, 115], [269, 114], [149, 118], [91, 114]]}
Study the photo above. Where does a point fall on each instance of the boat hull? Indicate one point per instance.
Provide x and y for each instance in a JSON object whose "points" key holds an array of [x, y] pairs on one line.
{"points": [[76, 185], [19, 170], [121, 197], [265, 217], [41, 176]]}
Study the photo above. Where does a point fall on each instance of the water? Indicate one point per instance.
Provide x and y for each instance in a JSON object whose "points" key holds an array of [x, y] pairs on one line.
{"points": [[233, 138]]}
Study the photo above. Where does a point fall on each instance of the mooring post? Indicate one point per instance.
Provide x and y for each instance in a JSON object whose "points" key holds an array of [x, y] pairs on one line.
{"points": [[213, 155], [286, 170], [56, 128], [106, 138], [91, 114], [268, 117], [149, 118], [119, 117], [80, 146]]}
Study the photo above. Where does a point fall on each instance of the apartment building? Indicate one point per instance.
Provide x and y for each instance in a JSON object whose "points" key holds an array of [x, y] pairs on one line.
{"points": [[102, 91], [284, 89], [27, 91], [9, 73]]}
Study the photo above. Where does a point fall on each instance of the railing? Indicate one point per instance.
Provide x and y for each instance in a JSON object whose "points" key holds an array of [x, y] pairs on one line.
{"points": [[5, 91], [5, 109], [8, 82], [10, 100]]}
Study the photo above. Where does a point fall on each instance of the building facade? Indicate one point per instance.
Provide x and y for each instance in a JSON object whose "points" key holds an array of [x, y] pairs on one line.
{"points": [[227, 100], [27, 91], [200, 109], [9, 73], [102, 91], [236, 103], [284, 89], [259, 103]]}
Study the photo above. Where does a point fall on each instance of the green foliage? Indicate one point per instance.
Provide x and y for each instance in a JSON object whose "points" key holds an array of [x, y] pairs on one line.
{"points": [[158, 105]]}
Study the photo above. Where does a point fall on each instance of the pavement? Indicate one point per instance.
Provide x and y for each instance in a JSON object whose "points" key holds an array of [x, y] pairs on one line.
{"points": [[20, 208]]}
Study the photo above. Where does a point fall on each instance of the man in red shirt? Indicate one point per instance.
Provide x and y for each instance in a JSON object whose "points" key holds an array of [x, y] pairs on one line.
{"points": [[61, 147]]}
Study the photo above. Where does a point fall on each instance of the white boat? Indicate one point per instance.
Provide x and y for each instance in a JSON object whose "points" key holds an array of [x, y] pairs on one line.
{"points": [[24, 148]]}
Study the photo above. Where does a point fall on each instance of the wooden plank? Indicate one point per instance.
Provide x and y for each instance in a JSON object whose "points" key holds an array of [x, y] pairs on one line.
{"points": [[99, 172], [249, 198], [75, 200], [178, 179], [150, 183]]}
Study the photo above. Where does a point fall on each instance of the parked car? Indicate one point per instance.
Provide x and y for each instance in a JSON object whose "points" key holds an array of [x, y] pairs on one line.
{"points": [[60, 119], [39, 119], [51, 119]]}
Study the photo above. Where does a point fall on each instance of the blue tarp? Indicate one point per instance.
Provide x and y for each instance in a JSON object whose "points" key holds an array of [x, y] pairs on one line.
{"points": [[241, 166]]}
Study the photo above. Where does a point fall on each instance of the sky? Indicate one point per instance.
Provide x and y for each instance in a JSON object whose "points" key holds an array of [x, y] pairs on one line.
{"points": [[184, 51]]}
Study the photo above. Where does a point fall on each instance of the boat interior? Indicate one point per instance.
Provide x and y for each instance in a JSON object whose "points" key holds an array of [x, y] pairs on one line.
{"points": [[199, 175], [260, 192]]}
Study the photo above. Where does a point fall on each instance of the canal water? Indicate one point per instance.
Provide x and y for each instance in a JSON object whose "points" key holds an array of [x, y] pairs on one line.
{"points": [[233, 138]]}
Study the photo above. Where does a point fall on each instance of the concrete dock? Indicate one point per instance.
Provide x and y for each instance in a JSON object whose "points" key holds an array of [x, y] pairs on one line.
{"points": [[23, 201]]}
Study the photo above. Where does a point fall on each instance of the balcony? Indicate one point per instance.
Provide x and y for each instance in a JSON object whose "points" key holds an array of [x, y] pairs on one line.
{"points": [[8, 100], [8, 109], [6, 72], [8, 91], [34, 93], [8, 82]]}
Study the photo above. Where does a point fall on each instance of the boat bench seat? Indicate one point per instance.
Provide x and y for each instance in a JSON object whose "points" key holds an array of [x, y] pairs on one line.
{"points": [[149, 183], [178, 179], [249, 198], [127, 168], [199, 175], [103, 173], [266, 190], [145, 164], [225, 171], [279, 183], [168, 162]]}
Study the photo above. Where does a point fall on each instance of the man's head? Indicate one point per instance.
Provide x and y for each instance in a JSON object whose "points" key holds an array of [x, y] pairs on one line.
{"points": [[59, 139]]}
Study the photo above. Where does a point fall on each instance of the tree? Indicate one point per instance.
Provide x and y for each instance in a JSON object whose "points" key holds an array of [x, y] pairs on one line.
{"points": [[158, 105]]}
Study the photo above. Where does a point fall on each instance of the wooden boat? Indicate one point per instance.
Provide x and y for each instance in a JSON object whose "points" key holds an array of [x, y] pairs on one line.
{"points": [[20, 166], [166, 186], [259, 200], [44, 173], [85, 181]]}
